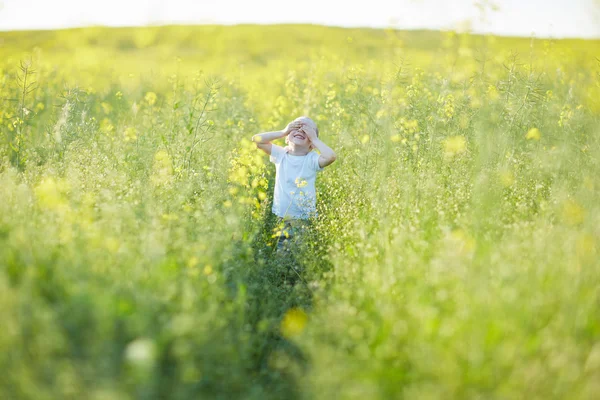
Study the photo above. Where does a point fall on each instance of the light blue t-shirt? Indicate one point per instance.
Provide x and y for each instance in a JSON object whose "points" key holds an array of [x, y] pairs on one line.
{"points": [[295, 195]]}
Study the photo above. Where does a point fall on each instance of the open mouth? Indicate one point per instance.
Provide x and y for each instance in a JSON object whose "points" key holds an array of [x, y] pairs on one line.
{"points": [[298, 136]]}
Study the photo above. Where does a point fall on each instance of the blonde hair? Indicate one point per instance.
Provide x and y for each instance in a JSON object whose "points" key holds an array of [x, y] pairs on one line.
{"points": [[308, 121]]}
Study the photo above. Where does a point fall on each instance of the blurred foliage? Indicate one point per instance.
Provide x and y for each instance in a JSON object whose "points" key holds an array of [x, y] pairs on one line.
{"points": [[455, 254]]}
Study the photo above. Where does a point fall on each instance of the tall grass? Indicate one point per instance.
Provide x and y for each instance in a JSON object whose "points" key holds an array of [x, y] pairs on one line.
{"points": [[455, 254]]}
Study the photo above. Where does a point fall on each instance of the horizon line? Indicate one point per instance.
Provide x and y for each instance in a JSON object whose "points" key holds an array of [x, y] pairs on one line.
{"points": [[395, 28]]}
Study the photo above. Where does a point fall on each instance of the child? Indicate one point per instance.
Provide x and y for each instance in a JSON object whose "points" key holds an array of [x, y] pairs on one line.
{"points": [[294, 200]]}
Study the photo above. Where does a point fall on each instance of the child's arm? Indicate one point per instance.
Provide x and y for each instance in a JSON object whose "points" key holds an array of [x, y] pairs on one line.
{"points": [[263, 140], [327, 156]]}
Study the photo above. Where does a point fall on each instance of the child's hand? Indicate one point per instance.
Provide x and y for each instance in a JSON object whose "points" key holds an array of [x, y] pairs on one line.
{"points": [[310, 132], [294, 125]]}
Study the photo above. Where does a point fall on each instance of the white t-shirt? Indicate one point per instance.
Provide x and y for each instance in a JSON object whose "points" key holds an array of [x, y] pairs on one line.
{"points": [[295, 195]]}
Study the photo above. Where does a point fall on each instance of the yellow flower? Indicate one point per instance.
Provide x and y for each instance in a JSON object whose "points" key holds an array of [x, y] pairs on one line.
{"points": [[455, 145], [533, 133], [162, 155], [492, 92], [51, 194], [130, 134], [365, 139], [107, 108], [294, 322], [150, 98], [449, 106]]}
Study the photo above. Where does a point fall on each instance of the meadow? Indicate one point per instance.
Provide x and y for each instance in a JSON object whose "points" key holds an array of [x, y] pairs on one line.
{"points": [[455, 254]]}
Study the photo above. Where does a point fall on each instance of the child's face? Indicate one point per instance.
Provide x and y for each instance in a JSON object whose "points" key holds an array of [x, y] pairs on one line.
{"points": [[298, 138]]}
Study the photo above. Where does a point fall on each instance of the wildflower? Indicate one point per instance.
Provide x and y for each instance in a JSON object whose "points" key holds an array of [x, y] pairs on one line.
{"points": [[411, 126], [161, 155], [565, 115], [106, 126], [294, 322], [51, 193], [150, 98], [454, 145], [130, 134], [449, 107], [533, 133], [106, 108], [492, 92]]}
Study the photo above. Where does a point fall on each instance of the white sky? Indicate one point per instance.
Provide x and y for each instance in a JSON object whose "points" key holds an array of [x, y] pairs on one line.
{"points": [[544, 18]]}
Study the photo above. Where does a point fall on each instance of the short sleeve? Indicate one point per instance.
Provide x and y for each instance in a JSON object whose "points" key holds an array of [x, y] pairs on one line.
{"points": [[314, 162], [277, 153]]}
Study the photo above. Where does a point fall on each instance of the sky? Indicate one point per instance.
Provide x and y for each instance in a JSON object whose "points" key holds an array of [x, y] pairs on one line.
{"points": [[542, 18]]}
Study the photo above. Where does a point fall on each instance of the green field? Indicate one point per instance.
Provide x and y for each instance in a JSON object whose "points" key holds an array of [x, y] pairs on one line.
{"points": [[455, 255]]}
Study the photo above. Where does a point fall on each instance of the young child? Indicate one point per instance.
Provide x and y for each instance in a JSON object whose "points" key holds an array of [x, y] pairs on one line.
{"points": [[294, 200]]}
